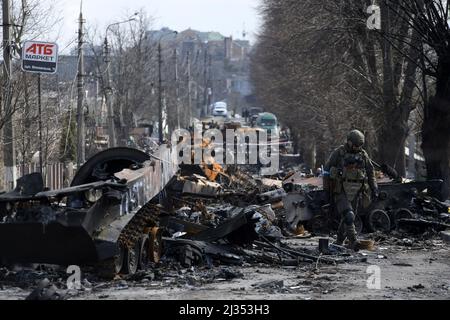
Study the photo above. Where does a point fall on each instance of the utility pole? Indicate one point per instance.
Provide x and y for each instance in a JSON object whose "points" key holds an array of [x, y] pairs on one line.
{"points": [[160, 104], [108, 96], [177, 102], [210, 81], [108, 90], [160, 89], [198, 93], [189, 87], [40, 123], [9, 152], [205, 76], [80, 100]]}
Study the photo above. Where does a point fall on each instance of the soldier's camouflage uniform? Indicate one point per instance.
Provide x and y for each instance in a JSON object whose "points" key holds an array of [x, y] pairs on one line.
{"points": [[348, 175]]}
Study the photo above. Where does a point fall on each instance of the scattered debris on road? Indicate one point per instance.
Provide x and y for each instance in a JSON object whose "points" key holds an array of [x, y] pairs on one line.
{"points": [[205, 224]]}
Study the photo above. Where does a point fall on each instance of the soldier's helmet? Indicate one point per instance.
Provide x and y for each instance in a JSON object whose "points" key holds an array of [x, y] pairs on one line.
{"points": [[356, 138]]}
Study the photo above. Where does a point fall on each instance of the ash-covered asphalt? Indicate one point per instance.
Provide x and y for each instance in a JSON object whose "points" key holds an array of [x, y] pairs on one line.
{"points": [[409, 268]]}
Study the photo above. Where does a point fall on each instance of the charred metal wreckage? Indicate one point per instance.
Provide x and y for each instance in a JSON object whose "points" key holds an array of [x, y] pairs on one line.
{"points": [[103, 218], [402, 205], [127, 209]]}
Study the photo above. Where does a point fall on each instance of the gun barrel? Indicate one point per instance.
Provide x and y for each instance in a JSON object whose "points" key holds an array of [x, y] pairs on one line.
{"points": [[388, 170]]}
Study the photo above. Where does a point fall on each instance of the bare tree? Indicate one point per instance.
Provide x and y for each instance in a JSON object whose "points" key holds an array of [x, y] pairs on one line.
{"points": [[302, 70], [429, 21], [132, 70], [30, 18], [324, 72]]}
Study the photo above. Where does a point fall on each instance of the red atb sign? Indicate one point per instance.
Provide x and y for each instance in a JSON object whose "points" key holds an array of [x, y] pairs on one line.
{"points": [[39, 57]]}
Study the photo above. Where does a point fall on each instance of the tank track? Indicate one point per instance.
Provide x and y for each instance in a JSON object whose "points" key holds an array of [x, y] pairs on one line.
{"points": [[145, 218]]}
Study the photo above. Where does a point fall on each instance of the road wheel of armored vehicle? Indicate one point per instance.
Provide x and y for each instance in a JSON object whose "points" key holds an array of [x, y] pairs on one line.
{"points": [[402, 213], [108, 269], [119, 260], [378, 220], [358, 224], [131, 261], [155, 245]]}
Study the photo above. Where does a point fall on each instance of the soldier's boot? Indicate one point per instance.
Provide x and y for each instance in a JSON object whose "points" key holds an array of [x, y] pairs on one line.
{"points": [[349, 220], [351, 236]]}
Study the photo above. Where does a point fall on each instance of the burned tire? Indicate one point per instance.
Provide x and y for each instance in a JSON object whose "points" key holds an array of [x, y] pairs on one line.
{"points": [[118, 261], [378, 220], [189, 256], [402, 213], [109, 268], [131, 261]]}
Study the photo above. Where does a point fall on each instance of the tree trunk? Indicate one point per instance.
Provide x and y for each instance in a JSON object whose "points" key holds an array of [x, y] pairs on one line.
{"points": [[392, 145], [309, 153], [321, 155], [436, 130], [397, 105], [295, 140], [392, 139]]}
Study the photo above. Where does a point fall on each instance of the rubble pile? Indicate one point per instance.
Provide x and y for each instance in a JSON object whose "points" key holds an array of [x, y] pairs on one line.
{"points": [[246, 218], [243, 220]]}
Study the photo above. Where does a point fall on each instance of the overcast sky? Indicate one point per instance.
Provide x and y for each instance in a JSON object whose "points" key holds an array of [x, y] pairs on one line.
{"points": [[229, 17]]}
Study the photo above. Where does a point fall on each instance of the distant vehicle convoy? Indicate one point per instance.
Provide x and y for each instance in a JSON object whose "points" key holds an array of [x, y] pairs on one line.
{"points": [[255, 116]]}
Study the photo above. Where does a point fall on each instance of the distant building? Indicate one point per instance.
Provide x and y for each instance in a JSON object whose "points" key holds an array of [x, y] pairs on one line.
{"points": [[236, 50], [226, 62]]}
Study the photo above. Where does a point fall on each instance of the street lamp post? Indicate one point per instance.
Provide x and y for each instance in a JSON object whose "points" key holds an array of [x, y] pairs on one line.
{"points": [[160, 97], [108, 89]]}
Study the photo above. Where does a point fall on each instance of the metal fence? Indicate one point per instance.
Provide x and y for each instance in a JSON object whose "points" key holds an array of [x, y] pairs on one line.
{"points": [[56, 175]]}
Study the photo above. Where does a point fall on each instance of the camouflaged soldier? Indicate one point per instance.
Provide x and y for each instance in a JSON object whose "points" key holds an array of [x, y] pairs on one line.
{"points": [[348, 175]]}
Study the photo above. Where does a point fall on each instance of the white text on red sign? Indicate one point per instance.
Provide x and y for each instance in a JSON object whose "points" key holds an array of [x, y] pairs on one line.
{"points": [[41, 52]]}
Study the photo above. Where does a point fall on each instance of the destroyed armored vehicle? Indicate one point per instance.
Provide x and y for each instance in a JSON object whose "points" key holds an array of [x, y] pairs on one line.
{"points": [[105, 218], [399, 205]]}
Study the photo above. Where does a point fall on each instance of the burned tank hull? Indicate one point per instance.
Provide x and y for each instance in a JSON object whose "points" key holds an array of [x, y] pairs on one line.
{"points": [[83, 224]]}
